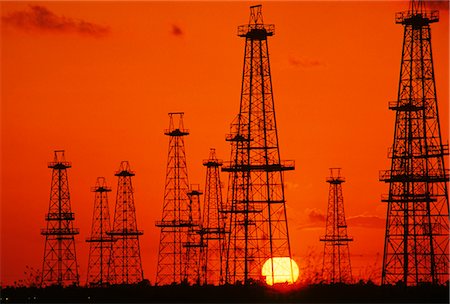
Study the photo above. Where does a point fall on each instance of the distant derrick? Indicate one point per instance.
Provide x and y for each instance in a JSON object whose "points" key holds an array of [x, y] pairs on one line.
{"points": [[100, 272], [175, 221], [126, 255], [417, 227], [213, 225], [336, 267], [60, 261], [194, 243], [256, 202]]}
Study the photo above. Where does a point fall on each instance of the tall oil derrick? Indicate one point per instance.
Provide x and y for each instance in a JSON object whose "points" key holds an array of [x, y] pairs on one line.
{"points": [[60, 260], [194, 244], [175, 221], [126, 255], [100, 272], [336, 267], [213, 235], [416, 240], [256, 201]]}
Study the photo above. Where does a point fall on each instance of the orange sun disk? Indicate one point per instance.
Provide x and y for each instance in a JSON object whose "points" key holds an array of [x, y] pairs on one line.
{"points": [[285, 270]]}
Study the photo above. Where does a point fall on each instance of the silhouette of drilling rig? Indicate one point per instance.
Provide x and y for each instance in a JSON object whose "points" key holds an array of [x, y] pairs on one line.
{"points": [[336, 267], [417, 227], [100, 263], [178, 259], [256, 202], [213, 233], [60, 260], [126, 254]]}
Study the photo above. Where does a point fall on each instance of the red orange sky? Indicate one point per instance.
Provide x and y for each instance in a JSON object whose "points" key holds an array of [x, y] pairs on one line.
{"points": [[100, 86]]}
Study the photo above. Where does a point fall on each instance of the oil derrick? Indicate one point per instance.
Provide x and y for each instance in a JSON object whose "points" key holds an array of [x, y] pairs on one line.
{"points": [[336, 267], [416, 240], [194, 244], [213, 225], [60, 260], [256, 202], [175, 221], [99, 271], [126, 255]]}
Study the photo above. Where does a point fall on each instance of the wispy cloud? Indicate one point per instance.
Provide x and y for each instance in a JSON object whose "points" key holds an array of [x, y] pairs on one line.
{"points": [[177, 31], [366, 221], [300, 62], [40, 19], [312, 219], [315, 215], [315, 219]]}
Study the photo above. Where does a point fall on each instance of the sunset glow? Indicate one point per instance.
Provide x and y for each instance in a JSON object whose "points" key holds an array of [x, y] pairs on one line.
{"points": [[285, 270], [98, 79]]}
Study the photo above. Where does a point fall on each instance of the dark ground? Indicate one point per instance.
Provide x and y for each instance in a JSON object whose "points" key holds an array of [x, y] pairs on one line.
{"points": [[358, 293]]}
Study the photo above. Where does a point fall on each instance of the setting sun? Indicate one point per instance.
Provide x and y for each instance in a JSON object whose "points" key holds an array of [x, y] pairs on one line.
{"points": [[285, 270]]}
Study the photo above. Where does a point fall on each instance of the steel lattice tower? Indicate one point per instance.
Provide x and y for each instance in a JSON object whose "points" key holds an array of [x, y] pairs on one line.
{"points": [[60, 260], [256, 201], [336, 267], [100, 272], [213, 225], [194, 243], [416, 241], [175, 215], [126, 255]]}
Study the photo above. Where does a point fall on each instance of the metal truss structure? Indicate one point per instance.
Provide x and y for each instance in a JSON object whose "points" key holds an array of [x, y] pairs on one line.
{"points": [[126, 255], [194, 244], [336, 267], [213, 225], [175, 221], [100, 272], [417, 227], [60, 260], [256, 201]]}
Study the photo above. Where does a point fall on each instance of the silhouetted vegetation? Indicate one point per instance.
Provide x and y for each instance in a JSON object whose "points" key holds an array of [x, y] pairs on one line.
{"points": [[145, 293]]}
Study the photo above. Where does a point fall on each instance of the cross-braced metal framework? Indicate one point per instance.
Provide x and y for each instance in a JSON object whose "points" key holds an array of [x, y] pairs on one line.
{"points": [[256, 200], [336, 267], [194, 243], [213, 225], [100, 272], [60, 259], [416, 241], [126, 255], [175, 220]]}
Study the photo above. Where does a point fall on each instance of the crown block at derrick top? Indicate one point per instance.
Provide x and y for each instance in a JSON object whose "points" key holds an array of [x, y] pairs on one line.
{"points": [[124, 173], [416, 18], [256, 31], [60, 165], [176, 132]]}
